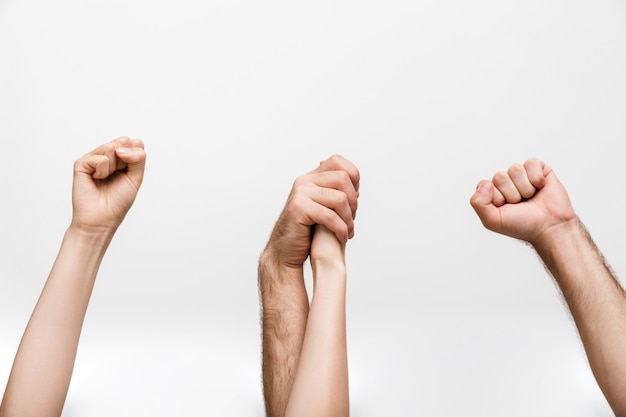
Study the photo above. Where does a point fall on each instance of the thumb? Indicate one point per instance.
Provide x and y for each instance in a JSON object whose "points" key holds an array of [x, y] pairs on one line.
{"points": [[92, 166], [482, 202], [135, 160]]}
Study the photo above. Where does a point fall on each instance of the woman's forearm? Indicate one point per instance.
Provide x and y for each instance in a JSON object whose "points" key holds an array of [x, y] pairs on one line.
{"points": [[321, 384], [44, 362]]}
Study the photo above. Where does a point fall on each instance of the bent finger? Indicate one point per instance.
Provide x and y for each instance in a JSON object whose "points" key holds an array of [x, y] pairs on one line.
{"points": [[324, 216], [340, 181], [336, 201], [134, 160], [503, 182], [309, 207], [337, 162], [96, 166], [108, 150], [536, 171], [482, 201], [520, 179]]}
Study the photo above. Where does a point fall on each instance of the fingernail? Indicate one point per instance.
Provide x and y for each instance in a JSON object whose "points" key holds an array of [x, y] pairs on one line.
{"points": [[122, 150], [484, 186]]}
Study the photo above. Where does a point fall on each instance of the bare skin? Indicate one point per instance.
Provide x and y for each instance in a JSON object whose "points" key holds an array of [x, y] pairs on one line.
{"points": [[326, 196], [106, 182], [320, 387], [529, 203]]}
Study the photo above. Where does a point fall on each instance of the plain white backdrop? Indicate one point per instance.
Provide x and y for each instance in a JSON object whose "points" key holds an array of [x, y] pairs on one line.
{"points": [[234, 100]]}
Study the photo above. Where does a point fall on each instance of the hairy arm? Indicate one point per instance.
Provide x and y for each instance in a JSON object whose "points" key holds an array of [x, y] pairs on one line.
{"points": [[105, 184], [328, 196], [284, 311], [597, 303], [529, 203], [321, 384]]}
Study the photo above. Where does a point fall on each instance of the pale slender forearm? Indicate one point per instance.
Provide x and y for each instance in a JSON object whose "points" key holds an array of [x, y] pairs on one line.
{"points": [[321, 385], [597, 303], [285, 307], [44, 362]]}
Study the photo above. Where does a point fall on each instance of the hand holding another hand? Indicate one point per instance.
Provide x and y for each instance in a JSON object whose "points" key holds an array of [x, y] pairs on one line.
{"points": [[327, 195]]}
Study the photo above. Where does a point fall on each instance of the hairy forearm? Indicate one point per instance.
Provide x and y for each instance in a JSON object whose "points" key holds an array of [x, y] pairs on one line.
{"points": [[285, 307], [597, 303], [321, 385], [44, 362]]}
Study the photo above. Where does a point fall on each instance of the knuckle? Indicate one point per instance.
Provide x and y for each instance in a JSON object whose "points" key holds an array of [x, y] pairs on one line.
{"points": [[330, 219], [344, 177], [296, 204], [110, 146], [336, 158], [342, 199], [300, 181], [532, 161], [516, 169], [500, 177]]}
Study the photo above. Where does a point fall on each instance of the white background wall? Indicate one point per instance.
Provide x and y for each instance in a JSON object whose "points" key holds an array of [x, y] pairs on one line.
{"points": [[234, 99]]}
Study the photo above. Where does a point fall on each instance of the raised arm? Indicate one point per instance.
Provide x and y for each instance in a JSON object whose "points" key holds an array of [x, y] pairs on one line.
{"points": [[328, 196], [321, 384], [528, 202], [105, 184]]}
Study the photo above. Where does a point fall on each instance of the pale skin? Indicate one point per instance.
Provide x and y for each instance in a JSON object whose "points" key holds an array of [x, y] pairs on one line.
{"points": [[320, 386], [529, 203], [327, 196], [105, 184]]}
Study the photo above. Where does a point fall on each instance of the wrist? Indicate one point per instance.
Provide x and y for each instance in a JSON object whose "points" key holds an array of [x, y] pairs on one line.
{"points": [[94, 224], [92, 237], [323, 267], [559, 234], [272, 267], [568, 252]]}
